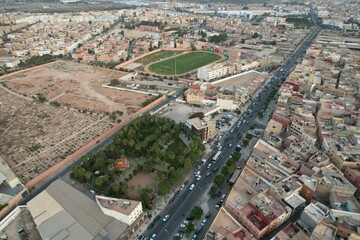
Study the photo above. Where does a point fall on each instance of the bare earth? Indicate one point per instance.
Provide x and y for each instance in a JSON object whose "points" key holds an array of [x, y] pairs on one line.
{"points": [[36, 136], [76, 85], [140, 181]]}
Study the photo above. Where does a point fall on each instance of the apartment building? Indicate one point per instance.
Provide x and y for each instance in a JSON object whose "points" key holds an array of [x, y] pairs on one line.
{"points": [[124, 210], [212, 72], [205, 129]]}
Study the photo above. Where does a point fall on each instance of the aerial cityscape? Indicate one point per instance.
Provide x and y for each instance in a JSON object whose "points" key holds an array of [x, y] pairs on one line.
{"points": [[188, 119]]}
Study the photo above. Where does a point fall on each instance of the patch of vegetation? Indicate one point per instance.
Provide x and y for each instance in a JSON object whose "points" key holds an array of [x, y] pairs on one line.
{"points": [[222, 37], [2, 206], [219, 179], [147, 102], [212, 191], [34, 148], [184, 63], [190, 227], [299, 22], [110, 65], [157, 56], [197, 114], [145, 140], [196, 212], [114, 82], [38, 60]]}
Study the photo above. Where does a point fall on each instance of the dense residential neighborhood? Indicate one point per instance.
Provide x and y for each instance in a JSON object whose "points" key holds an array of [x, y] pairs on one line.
{"points": [[180, 120]]}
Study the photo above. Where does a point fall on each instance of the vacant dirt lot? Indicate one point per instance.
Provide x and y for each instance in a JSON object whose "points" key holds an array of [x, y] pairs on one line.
{"points": [[35, 136], [140, 181], [76, 85]]}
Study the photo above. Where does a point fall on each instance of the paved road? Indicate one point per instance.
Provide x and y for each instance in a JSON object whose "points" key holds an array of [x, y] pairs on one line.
{"points": [[188, 199]]}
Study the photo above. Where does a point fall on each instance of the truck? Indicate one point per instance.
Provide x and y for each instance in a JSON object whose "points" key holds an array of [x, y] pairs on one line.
{"points": [[234, 177]]}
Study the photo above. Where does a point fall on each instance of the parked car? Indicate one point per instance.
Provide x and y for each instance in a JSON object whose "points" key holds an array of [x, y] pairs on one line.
{"points": [[203, 221], [153, 236], [191, 187]]}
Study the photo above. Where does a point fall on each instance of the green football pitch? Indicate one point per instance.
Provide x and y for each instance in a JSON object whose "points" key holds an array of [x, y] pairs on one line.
{"points": [[184, 63]]}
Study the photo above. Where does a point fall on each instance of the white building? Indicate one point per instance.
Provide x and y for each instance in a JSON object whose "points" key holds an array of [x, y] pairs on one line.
{"points": [[212, 72], [124, 210]]}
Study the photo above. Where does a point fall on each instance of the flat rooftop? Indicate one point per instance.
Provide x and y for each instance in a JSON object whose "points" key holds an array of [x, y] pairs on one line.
{"points": [[251, 80], [123, 206], [248, 185]]}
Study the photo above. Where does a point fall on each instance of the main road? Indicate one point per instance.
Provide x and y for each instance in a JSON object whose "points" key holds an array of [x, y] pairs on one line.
{"points": [[187, 198]]}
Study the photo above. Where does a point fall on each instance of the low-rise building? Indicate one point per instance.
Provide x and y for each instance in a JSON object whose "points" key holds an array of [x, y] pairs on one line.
{"points": [[124, 210], [205, 129], [212, 72]]}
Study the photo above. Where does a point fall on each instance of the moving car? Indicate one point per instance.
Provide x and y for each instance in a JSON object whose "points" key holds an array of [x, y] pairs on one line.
{"points": [[166, 217]]}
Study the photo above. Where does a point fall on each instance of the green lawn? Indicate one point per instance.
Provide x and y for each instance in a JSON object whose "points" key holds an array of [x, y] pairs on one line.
{"points": [[157, 56], [177, 146], [184, 63]]}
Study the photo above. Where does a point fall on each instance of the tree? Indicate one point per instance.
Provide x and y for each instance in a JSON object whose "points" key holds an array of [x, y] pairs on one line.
{"points": [[197, 114], [242, 41], [225, 170], [212, 191], [114, 82], [255, 35], [196, 212], [219, 179], [252, 127], [189, 228]]}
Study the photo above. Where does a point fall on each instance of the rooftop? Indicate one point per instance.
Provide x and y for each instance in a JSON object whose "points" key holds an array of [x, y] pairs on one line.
{"points": [[225, 226], [248, 185], [291, 232], [123, 206], [251, 80], [62, 211], [197, 123], [337, 179]]}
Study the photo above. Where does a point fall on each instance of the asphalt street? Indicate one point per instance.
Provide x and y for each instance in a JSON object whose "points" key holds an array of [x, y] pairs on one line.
{"points": [[187, 199]]}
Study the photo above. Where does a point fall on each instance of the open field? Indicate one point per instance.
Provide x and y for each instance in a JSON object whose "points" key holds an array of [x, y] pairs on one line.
{"points": [[37, 135], [140, 181], [76, 85], [157, 56], [184, 63]]}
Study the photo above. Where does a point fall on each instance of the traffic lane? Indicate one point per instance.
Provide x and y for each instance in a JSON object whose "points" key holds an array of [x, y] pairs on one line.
{"points": [[182, 205], [169, 228]]}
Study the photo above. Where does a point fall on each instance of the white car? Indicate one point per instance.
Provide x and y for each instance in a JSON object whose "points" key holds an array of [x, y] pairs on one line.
{"points": [[191, 187], [153, 236], [203, 221], [198, 177], [92, 192], [208, 166], [166, 217]]}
